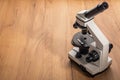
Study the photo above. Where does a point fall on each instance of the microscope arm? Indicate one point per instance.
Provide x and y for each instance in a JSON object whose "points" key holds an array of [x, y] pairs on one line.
{"points": [[102, 43]]}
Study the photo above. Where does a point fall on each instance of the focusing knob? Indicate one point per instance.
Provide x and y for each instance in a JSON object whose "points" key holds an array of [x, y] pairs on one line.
{"points": [[92, 57], [89, 59]]}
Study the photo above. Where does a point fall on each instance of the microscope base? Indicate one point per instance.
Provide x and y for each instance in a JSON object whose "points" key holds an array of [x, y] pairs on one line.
{"points": [[90, 68]]}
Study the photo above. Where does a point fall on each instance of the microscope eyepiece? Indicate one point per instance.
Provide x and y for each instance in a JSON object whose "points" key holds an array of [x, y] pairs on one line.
{"points": [[103, 6], [98, 9]]}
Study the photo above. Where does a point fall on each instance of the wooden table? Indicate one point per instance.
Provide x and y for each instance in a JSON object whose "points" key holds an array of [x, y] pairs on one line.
{"points": [[35, 38]]}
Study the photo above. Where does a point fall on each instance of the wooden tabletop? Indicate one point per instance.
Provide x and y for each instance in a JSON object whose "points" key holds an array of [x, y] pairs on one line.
{"points": [[35, 38]]}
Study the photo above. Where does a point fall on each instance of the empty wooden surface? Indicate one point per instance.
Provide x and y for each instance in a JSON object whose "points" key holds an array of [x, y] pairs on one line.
{"points": [[35, 38]]}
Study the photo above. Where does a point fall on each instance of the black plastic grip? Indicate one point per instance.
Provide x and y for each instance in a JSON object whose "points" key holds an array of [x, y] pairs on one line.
{"points": [[98, 9]]}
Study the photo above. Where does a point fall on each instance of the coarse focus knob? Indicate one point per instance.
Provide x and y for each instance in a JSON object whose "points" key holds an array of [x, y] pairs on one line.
{"points": [[92, 57]]}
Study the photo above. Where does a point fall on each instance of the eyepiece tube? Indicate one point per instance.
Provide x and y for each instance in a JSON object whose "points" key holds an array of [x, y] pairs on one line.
{"points": [[98, 9]]}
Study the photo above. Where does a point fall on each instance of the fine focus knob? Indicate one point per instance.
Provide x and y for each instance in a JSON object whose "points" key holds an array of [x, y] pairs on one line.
{"points": [[92, 57], [89, 59]]}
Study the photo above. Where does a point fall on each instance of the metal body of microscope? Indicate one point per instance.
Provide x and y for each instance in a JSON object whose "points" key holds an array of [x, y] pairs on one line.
{"points": [[91, 47]]}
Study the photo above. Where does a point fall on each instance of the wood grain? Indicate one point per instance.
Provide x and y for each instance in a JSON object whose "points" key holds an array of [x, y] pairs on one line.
{"points": [[35, 38]]}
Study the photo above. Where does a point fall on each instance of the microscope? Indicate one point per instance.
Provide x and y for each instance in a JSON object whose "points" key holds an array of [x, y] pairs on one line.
{"points": [[91, 47]]}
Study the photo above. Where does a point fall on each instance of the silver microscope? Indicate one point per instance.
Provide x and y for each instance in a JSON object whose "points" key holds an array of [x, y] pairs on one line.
{"points": [[91, 47]]}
